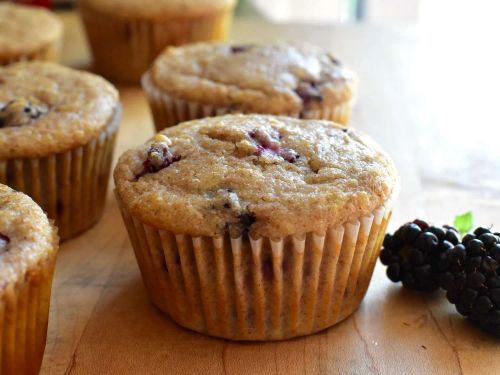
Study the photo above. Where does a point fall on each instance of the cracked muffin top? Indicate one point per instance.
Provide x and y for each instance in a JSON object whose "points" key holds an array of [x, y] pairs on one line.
{"points": [[156, 8], [275, 79], [270, 176], [26, 235], [47, 108], [25, 30]]}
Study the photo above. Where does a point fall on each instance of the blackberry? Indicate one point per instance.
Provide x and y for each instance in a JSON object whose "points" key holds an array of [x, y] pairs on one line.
{"points": [[472, 280], [414, 252]]}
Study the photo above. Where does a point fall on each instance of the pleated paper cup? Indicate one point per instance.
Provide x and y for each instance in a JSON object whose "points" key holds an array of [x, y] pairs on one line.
{"points": [[258, 289], [124, 48], [168, 110], [71, 186], [24, 313], [50, 52]]}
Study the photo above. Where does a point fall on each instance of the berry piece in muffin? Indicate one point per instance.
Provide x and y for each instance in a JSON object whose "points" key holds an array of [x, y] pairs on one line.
{"points": [[4, 243], [309, 92], [20, 112], [269, 142], [159, 156]]}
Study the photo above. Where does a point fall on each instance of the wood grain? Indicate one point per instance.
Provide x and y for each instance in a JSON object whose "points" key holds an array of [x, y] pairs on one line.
{"points": [[102, 323]]}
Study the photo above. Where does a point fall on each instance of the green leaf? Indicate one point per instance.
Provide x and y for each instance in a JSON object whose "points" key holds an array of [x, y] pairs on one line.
{"points": [[463, 223]]}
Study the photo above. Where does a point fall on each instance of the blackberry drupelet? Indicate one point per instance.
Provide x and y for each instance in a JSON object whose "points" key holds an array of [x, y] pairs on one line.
{"points": [[472, 281], [414, 252]]}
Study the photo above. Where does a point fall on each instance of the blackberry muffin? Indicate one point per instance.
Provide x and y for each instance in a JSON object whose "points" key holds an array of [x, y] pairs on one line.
{"points": [[28, 33], [57, 134], [28, 248], [205, 80], [253, 227], [127, 35]]}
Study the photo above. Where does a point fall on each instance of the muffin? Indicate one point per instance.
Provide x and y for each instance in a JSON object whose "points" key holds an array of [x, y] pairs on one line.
{"points": [[253, 227], [57, 133], [127, 35], [203, 80], [28, 33], [28, 248]]}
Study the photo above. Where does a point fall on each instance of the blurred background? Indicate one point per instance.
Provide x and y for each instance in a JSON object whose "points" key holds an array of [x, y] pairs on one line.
{"points": [[446, 77], [399, 12]]}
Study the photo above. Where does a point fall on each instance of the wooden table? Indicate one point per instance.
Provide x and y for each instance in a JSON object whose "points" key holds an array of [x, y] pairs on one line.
{"points": [[426, 106]]}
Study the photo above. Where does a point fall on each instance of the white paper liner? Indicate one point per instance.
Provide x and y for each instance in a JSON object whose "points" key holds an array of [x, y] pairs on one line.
{"points": [[169, 111], [264, 289], [71, 187], [124, 48], [24, 312]]}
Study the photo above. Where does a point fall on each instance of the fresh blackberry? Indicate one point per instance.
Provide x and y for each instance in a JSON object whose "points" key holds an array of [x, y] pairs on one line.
{"points": [[472, 281], [413, 253]]}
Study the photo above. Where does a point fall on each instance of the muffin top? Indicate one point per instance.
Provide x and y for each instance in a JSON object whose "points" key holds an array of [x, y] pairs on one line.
{"points": [[270, 176], [24, 30], [276, 79], [156, 8], [46, 108], [26, 236]]}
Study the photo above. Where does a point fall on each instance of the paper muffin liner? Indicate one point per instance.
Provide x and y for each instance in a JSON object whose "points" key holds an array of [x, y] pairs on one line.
{"points": [[258, 289], [71, 186], [169, 111], [24, 313], [124, 49], [50, 52]]}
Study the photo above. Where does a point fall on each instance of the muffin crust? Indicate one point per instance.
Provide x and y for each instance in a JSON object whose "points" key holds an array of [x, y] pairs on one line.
{"points": [[270, 176], [25, 30], [156, 8], [26, 236], [274, 79], [46, 108]]}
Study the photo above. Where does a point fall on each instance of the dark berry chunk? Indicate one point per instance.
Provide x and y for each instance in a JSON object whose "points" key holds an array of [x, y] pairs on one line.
{"points": [[4, 242], [246, 220], [289, 155], [334, 60], [20, 112], [159, 156], [240, 48], [309, 92], [269, 141]]}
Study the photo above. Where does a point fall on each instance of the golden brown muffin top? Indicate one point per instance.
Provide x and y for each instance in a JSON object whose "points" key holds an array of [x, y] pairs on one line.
{"points": [[271, 176], [47, 108], [24, 30], [26, 235], [276, 78], [156, 8]]}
